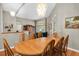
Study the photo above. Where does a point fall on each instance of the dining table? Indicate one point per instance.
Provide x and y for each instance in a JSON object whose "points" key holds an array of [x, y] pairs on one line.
{"points": [[33, 47]]}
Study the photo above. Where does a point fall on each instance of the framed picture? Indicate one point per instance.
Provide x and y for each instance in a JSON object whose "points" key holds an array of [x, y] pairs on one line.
{"points": [[72, 22]]}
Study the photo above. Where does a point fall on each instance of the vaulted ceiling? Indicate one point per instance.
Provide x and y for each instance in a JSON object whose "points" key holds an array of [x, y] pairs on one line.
{"points": [[28, 10]]}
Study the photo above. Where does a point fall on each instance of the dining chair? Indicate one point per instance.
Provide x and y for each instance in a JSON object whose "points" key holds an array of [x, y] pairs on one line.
{"points": [[56, 35], [8, 50], [48, 49], [22, 36], [65, 45], [32, 36], [58, 47], [39, 34]]}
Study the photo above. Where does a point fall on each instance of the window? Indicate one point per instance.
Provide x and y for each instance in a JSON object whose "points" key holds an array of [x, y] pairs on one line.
{"points": [[40, 26]]}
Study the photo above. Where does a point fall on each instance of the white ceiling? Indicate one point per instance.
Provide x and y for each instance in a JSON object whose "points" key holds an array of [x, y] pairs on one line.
{"points": [[28, 10], [10, 6]]}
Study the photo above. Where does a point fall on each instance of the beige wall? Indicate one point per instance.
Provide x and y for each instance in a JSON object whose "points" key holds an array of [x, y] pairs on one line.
{"points": [[1, 19], [8, 19], [60, 12], [25, 21]]}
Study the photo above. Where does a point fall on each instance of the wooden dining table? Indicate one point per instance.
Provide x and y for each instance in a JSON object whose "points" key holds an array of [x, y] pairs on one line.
{"points": [[33, 46]]}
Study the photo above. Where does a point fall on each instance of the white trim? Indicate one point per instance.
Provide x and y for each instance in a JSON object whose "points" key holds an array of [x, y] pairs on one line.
{"points": [[3, 49], [73, 49]]}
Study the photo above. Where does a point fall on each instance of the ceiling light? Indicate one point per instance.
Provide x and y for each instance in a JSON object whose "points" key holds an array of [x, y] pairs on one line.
{"points": [[12, 13], [41, 9]]}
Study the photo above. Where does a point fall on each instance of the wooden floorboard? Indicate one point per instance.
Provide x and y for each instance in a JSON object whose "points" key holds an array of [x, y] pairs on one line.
{"points": [[69, 53], [72, 53]]}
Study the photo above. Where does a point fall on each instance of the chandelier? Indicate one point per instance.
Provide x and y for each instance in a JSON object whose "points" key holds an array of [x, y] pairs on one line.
{"points": [[41, 9]]}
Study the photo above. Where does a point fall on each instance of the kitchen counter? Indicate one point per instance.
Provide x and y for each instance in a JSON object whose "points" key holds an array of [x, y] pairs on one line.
{"points": [[10, 32], [11, 37]]}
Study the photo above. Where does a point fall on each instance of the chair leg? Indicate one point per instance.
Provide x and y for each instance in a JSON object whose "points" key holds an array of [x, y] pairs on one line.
{"points": [[65, 53], [5, 53]]}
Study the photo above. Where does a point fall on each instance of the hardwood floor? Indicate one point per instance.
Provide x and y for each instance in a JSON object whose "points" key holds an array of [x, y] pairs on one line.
{"points": [[72, 53], [69, 53]]}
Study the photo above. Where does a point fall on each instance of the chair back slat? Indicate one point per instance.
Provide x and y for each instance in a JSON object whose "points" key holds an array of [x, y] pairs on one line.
{"points": [[65, 44], [52, 44], [60, 43], [66, 41], [8, 51]]}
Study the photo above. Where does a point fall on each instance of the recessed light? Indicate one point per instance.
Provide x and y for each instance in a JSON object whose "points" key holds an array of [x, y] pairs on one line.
{"points": [[12, 13]]}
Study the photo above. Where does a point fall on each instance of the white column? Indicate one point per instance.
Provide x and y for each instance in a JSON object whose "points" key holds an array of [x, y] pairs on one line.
{"points": [[1, 20]]}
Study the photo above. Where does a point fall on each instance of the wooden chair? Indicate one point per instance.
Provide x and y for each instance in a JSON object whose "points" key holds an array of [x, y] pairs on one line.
{"points": [[49, 49], [32, 36], [65, 45], [56, 35], [8, 51], [22, 36], [39, 34], [58, 47]]}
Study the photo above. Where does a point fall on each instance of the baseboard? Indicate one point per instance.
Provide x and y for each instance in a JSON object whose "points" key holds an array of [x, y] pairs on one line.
{"points": [[73, 49], [3, 49]]}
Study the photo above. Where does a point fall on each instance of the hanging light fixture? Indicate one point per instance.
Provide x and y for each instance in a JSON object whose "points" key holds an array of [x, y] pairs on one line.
{"points": [[41, 9]]}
